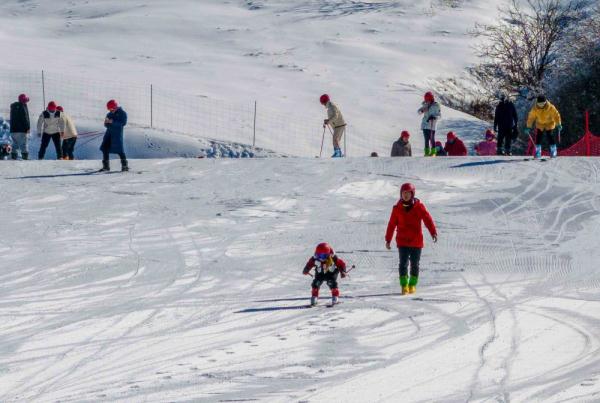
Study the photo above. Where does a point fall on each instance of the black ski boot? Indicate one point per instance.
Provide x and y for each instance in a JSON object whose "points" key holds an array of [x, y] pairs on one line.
{"points": [[14, 156], [25, 156], [105, 166], [124, 166]]}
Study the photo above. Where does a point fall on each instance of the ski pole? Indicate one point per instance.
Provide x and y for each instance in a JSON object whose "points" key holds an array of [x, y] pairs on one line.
{"points": [[352, 268], [322, 141], [532, 142]]}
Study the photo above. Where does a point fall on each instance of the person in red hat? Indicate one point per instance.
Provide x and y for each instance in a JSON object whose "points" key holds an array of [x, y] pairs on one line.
{"points": [[489, 146], [431, 112], [50, 126], [112, 143], [20, 127], [401, 147], [405, 220], [327, 267], [336, 121], [454, 146]]}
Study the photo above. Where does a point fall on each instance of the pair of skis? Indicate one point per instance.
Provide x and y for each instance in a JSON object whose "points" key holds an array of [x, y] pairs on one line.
{"points": [[332, 304]]}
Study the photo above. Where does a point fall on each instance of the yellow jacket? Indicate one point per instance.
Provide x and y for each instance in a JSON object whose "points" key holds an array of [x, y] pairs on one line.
{"points": [[546, 118]]}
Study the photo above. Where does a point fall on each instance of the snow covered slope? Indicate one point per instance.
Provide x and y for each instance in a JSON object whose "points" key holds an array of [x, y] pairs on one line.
{"points": [[181, 281], [375, 58]]}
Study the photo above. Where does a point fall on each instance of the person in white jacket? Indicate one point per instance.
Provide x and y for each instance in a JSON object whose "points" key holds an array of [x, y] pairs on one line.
{"points": [[431, 114], [50, 126], [336, 121], [69, 137]]}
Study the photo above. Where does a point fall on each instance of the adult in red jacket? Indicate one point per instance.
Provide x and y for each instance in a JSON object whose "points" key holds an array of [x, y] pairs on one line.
{"points": [[454, 146], [405, 220], [327, 267]]}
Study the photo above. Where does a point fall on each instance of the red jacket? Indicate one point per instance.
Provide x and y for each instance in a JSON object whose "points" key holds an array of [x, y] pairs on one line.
{"points": [[456, 149], [407, 225]]}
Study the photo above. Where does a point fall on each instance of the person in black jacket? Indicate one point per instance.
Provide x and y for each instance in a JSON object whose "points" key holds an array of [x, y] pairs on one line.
{"points": [[505, 123], [20, 127]]}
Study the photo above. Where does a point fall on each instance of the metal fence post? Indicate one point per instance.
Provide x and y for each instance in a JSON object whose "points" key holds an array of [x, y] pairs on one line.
{"points": [[587, 134], [43, 89], [151, 106], [345, 146], [254, 130]]}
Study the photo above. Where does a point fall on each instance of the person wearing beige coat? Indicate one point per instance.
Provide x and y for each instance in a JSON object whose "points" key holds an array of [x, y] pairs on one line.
{"points": [[336, 121], [69, 137]]}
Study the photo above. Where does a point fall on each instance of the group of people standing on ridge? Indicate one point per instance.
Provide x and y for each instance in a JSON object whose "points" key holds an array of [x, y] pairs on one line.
{"points": [[543, 118], [57, 126]]}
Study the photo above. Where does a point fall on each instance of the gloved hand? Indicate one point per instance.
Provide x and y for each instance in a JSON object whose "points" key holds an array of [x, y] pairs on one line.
{"points": [[343, 273], [559, 127], [388, 246], [435, 238], [306, 271], [527, 130]]}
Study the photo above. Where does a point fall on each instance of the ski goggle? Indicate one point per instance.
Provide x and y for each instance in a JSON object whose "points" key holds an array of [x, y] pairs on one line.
{"points": [[321, 257]]}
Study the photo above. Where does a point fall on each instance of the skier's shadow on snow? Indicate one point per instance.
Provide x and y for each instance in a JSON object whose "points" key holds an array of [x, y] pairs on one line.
{"points": [[299, 307], [480, 163], [87, 173]]}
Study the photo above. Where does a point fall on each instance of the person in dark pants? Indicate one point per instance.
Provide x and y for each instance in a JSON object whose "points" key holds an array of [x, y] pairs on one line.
{"points": [[405, 220], [50, 126], [112, 143], [546, 119], [327, 267], [20, 127], [505, 123], [69, 137]]}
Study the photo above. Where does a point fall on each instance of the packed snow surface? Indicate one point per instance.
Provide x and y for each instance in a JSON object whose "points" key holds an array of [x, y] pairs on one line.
{"points": [[181, 281]]}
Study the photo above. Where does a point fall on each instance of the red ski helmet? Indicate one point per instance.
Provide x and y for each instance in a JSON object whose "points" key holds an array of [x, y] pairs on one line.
{"points": [[60, 108], [408, 187], [429, 98], [51, 106], [404, 134], [451, 136], [23, 98], [323, 251], [489, 134], [112, 105], [324, 99]]}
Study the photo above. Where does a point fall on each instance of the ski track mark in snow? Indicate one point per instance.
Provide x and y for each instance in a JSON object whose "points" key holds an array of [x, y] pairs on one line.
{"points": [[190, 292]]}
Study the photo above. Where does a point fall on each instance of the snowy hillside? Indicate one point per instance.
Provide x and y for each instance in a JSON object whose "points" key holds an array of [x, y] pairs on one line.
{"points": [[181, 281], [374, 58]]}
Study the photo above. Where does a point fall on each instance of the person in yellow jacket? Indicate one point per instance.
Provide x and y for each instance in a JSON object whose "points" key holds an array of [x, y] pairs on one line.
{"points": [[546, 118]]}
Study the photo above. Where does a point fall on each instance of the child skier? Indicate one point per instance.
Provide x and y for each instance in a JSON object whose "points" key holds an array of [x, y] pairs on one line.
{"points": [[327, 266], [6, 140], [489, 146], [406, 220]]}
